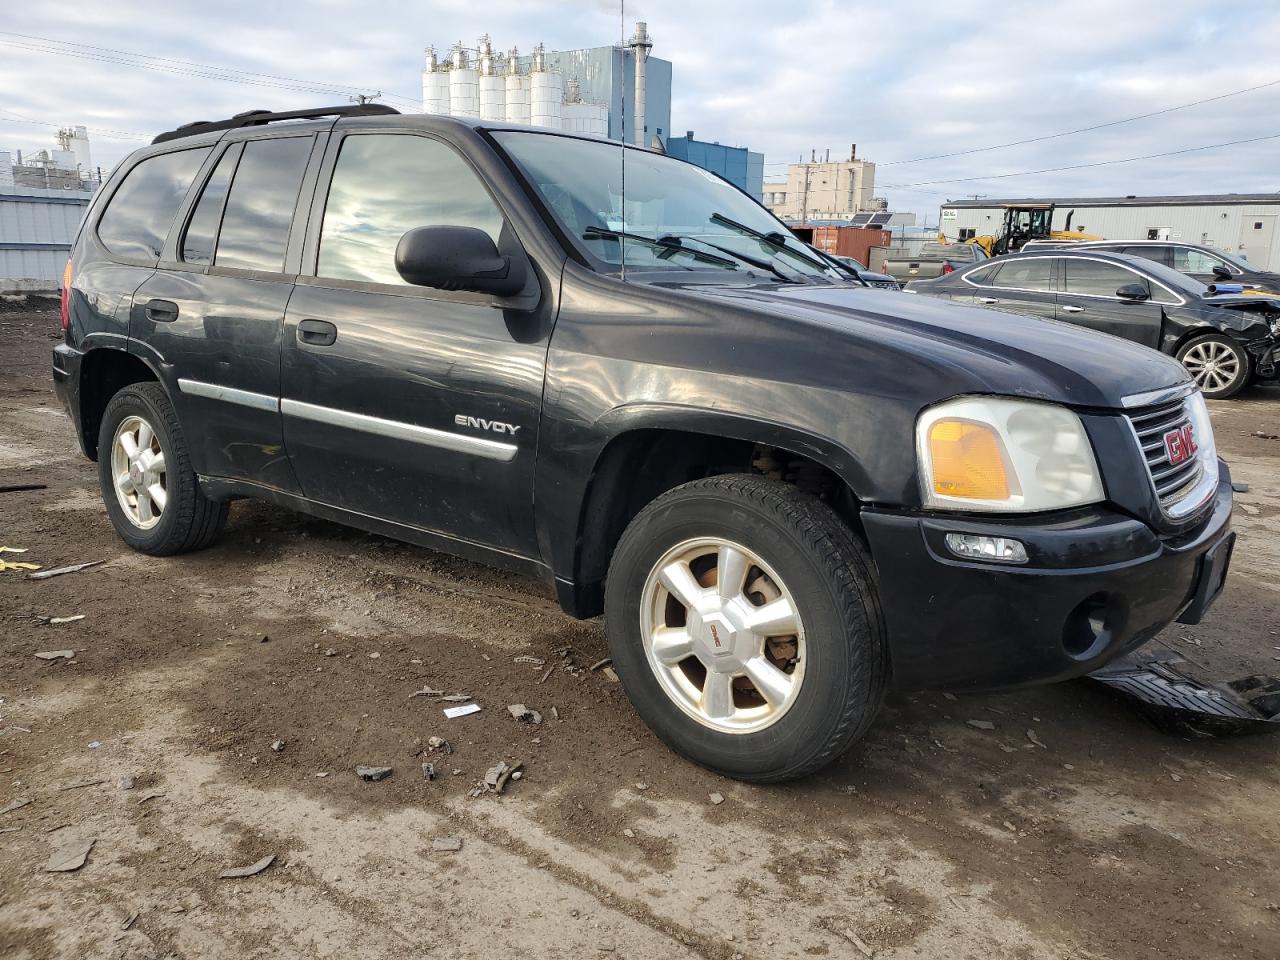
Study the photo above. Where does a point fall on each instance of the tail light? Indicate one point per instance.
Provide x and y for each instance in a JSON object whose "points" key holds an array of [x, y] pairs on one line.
{"points": [[948, 268], [66, 297]]}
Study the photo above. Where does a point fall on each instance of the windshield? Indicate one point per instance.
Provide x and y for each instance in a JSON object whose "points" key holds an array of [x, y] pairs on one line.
{"points": [[677, 216]]}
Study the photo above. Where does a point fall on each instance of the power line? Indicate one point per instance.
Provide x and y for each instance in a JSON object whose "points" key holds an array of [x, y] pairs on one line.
{"points": [[1096, 126], [1080, 166], [178, 67], [117, 134]]}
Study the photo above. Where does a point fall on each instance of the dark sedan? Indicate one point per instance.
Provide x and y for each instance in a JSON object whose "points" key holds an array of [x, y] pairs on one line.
{"points": [[1206, 264], [1223, 340]]}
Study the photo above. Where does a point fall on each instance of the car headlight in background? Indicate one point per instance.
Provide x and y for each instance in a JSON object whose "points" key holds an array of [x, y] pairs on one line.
{"points": [[997, 454]]}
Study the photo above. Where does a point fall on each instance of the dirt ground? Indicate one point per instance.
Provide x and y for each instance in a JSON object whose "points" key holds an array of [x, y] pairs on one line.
{"points": [[933, 838]]}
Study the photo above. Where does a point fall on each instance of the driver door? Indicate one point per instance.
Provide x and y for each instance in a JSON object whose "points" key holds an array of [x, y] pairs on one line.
{"points": [[406, 403]]}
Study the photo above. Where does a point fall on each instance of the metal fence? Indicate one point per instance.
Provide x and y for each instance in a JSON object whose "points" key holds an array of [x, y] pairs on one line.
{"points": [[37, 227]]}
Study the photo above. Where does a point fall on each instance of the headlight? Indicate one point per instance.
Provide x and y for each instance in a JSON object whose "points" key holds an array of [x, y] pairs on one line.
{"points": [[990, 453]]}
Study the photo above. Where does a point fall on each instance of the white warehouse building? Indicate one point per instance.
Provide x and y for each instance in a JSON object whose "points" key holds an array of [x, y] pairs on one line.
{"points": [[1240, 223]]}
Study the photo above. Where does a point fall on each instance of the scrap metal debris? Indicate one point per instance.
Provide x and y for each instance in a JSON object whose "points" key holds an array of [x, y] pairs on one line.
{"points": [[55, 621], [19, 487], [546, 673], [81, 783], [446, 844], [56, 655], [277, 745], [235, 873], [523, 713], [611, 674], [59, 571], [451, 713], [70, 857], [858, 942], [457, 697], [13, 805], [1031, 735], [440, 744], [496, 777], [599, 664], [428, 771], [153, 795], [536, 661], [981, 724], [129, 920], [1179, 703], [373, 774], [426, 692], [716, 799]]}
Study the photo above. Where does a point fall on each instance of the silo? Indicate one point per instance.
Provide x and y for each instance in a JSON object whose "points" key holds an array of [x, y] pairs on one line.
{"points": [[435, 86], [546, 93], [517, 90], [464, 85], [493, 88]]}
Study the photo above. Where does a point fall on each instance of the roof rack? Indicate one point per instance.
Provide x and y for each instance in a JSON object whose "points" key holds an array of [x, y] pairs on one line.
{"points": [[252, 118]]}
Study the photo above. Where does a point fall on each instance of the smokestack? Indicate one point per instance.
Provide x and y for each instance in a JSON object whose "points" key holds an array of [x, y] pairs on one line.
{"points": [[853, 151], [641, 44]]}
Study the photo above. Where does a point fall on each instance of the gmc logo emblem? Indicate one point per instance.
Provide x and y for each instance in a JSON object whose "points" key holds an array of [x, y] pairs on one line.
{"points": [[1180, 444], [715, 635]]}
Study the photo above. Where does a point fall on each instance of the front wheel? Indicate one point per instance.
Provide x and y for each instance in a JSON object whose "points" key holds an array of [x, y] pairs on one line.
{"points": [[744, 623], [1218, 364]]}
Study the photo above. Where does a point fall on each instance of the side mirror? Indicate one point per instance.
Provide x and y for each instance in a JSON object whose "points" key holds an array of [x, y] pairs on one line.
{"points": [[1221, 272], [1134, 291], [458, 258]]}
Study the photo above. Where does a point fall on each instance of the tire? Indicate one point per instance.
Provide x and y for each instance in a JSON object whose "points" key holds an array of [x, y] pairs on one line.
{"points": [[178, 518], [796, 549], [1218, 364]]}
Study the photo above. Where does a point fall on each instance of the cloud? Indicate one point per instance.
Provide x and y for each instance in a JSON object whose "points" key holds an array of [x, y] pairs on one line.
{"points": [[901, 80]]}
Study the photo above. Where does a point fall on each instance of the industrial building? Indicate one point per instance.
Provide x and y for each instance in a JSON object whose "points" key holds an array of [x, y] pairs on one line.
{"points": [[742, 167], [621, 92], [824, 190], [1243, 224], [42, 201]]}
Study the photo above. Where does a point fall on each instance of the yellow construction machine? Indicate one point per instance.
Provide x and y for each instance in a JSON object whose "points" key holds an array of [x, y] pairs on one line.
{"points": [[1023, 222]]}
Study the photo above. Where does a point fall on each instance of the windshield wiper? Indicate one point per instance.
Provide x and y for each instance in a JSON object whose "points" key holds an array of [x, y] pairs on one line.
{"points": [[775, 240], [676, 241], [664, 244]]}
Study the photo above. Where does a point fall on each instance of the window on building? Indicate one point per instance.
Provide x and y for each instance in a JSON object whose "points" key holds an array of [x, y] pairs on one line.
{"points": [[1257, 224], [385, 185], [259, 210], [1033, 273], [1094, 278], [202, 230], [968, 233], [139, 215]]}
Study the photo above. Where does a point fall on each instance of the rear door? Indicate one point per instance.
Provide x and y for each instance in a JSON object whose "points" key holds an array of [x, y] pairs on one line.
{"points": [[404, 403], [1022, 285], [1088, 298], [214, 314]]}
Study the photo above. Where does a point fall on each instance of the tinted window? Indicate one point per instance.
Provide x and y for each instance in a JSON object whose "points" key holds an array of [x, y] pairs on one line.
{"points": [[140, 213], [197, 245], [1031, 274], [1186, 260], [255, 225], [1096, 279], [385, 185], [982, 276], [1147, 252]]}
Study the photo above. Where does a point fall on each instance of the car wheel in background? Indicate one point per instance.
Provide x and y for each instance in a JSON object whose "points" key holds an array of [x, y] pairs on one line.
{"points": [[744, 622], [149, 488], [1218, 364]]}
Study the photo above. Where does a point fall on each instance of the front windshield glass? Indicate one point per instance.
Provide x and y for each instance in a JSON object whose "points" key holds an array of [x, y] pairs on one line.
{"points": [[677, 216]]}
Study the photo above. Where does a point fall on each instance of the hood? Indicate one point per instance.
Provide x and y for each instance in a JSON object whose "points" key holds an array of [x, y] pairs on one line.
{"points": [[971, 349]]}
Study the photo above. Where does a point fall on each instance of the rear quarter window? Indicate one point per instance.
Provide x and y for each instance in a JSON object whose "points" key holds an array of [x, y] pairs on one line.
{"points": [[138, 216]]}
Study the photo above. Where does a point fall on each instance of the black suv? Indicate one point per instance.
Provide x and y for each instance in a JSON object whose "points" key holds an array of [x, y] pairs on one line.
{"points": [[786, 491]]}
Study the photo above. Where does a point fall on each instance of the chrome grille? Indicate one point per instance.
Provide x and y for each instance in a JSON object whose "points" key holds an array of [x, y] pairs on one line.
{"points": [[1172, 483]]}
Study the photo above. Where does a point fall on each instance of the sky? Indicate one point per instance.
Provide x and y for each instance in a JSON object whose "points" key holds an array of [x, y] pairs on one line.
{"points": [[903, 80]]}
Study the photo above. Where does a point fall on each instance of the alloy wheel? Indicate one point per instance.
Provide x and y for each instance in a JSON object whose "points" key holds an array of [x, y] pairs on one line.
{"points": [[1212, 365], [138, 472]]}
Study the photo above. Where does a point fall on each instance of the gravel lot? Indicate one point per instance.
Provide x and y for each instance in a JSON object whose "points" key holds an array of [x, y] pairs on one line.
{"points": [[933, 839]]}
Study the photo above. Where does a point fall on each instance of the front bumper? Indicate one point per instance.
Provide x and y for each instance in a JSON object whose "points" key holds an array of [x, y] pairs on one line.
{"points": [[1096, 585]]}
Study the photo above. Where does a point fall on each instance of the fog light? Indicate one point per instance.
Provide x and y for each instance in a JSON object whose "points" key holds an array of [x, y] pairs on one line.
{"points": [[994, 549]]}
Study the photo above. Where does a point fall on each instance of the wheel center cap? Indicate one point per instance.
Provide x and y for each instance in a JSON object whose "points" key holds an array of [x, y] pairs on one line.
{"points": [[135, 474], [717, 638]]}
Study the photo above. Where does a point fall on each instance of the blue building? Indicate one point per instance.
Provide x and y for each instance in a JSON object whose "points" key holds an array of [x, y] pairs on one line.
{"points": [[742, 167], [608, 75]]}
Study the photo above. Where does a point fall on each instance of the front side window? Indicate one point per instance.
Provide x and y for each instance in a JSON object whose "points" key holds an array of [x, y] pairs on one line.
{"points": [[259, 210], [1186, 260], [385, 185], [983, 275], [1094, 278], [1031, 274], [139, 216], [675, 216]]}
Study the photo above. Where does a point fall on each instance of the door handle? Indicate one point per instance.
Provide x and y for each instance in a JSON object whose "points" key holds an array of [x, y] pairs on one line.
{"points": [[317, 333], [988, 300], [1071, 309], [160, 311]]}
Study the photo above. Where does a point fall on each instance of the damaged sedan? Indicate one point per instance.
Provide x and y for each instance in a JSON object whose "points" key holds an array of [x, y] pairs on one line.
{"points": [[1225, 339]]}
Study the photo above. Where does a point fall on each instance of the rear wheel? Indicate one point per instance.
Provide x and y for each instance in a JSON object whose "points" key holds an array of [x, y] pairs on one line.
{"points": [[149, 488], [1218, 364], [744, 624]]}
